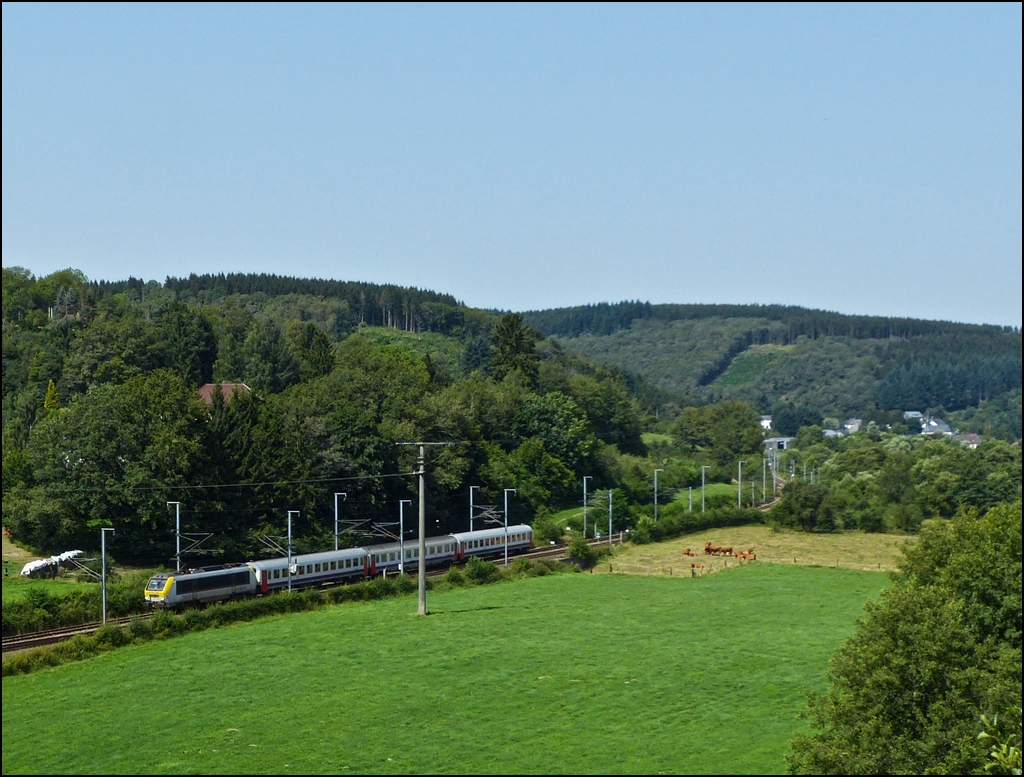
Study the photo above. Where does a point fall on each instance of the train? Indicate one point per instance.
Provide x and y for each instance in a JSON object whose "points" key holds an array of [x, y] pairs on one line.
{"points": [[195, 587]]}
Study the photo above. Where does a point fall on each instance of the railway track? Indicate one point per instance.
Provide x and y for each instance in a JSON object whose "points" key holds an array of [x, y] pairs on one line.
{"points": [[51, 636]]}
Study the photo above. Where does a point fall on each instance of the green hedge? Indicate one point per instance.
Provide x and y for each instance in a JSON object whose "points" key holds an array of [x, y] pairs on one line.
{"points": [[675, 520]]}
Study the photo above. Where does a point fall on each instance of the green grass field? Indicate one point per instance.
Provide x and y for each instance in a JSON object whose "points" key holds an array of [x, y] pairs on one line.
{"points": [[566, 674], [17, 587]]}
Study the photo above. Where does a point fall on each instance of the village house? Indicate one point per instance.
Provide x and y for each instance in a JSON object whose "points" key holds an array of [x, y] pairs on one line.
{"points": [[971, 441], [932, 425]]}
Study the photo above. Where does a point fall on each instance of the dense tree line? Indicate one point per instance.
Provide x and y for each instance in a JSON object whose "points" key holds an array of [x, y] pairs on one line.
{"points": [[371, 304], [103, 424], [890, 482], [950, 384], [605, 318], [757, 360]]}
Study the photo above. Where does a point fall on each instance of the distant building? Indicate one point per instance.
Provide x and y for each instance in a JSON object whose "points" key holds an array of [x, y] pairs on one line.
{"points": [[766, 422], [851, 425], [831, 433], [932, 425], [969, 440], [908, 414], [227, 390], [778, 443]]}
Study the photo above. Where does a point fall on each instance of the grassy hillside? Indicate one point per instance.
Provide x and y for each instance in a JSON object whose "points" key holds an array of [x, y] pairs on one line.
{"points": [[770, 354], [566, 674], [694, 359]]}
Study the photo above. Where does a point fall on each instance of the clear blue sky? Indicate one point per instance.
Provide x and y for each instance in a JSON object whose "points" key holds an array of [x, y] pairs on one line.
{"points": [[865, 159]]}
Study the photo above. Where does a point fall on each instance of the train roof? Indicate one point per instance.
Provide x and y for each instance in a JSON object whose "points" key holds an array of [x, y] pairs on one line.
{"points": [[482, 534], [389, 546], [200, 571], [310, 558]]}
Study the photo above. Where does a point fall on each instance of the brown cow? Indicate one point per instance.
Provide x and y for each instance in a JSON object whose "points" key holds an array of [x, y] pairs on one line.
{"points": [[689, 552]]}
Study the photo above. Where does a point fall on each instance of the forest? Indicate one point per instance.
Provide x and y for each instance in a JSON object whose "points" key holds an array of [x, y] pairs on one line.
{"points": [[103, 424], [841, 365]]}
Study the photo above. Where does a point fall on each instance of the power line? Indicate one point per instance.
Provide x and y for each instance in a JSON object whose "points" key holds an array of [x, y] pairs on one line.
{"points": [[244, 484]]}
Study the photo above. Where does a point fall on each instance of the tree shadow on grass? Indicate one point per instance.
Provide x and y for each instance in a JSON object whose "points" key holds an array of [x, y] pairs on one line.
{"points": [[477, 609]]}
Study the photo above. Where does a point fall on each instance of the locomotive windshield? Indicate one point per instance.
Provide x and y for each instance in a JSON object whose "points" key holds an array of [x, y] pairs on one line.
{"points": [[156, 583]]}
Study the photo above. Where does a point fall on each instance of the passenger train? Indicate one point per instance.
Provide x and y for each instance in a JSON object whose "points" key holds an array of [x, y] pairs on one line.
{"points": [[254, 578]]}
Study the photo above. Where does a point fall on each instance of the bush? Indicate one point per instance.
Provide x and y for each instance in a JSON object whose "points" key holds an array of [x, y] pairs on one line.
{"points": [[579, 549], [545, 530], [109, 635], [454, 577], [141, 628], [479, 571]]}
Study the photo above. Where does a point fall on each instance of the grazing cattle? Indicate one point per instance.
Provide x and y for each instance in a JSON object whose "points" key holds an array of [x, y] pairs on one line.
{"points": [[689, 552], [711, 550], [696, 566]]}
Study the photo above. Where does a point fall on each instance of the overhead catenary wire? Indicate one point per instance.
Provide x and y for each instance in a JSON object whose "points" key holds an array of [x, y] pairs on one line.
{"points": [[333, 479]]}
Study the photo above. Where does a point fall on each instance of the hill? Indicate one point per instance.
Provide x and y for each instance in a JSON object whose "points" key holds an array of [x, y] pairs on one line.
{"points": [[777, 354]]}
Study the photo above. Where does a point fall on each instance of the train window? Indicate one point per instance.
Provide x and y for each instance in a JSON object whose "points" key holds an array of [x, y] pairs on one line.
{"points": [[277, 574]]}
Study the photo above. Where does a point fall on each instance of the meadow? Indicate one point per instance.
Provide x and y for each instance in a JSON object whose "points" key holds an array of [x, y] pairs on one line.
{"points": [[566, 674], [848, 550], [15, 587]]}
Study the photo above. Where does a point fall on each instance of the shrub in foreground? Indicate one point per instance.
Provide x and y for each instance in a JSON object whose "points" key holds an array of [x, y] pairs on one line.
{"points": [[940, 650]]}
